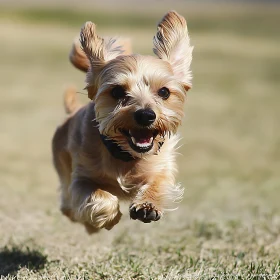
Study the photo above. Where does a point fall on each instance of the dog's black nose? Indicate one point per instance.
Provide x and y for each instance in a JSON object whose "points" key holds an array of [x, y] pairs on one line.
{"points": [[144, 117]]}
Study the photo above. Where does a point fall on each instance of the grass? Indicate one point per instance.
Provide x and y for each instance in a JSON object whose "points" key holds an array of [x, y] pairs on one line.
{"points": [[247, 21], [14, 258], [228, 223]]}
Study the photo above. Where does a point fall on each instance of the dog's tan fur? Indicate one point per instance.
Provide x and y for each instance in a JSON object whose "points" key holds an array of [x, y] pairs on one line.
{"points": [[92, 180]]}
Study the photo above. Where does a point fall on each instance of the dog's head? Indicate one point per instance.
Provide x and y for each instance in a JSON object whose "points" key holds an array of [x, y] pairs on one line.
{"points": [[139, 99]]}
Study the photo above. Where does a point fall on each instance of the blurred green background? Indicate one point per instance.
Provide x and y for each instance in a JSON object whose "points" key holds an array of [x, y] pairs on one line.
{"points": [[228, 222]]}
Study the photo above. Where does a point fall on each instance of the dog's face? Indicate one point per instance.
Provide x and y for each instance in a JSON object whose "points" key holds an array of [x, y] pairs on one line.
{"points": [[139, 99], [138, 102]]}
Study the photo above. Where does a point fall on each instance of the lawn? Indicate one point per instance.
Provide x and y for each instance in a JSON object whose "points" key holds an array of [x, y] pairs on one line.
{"points": [[227, 226]]}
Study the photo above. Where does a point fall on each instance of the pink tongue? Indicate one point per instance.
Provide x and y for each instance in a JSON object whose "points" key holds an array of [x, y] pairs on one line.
{"points": [[143, 140], [142, 136]]}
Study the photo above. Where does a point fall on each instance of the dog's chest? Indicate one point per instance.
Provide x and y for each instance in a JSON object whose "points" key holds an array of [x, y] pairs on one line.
{"points": [[127, 177]]}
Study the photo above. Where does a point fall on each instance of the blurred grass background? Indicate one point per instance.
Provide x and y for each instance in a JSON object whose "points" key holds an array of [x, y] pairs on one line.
{"points": [[229, 220]]}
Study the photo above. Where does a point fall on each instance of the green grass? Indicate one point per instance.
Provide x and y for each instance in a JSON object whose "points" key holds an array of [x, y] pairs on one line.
{"points": [[228, 224], [14, 258], [72, 18]]}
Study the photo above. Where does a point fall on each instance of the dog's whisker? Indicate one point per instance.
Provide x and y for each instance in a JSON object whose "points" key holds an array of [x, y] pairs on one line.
{"points": [[96, 126], [83, 93]]}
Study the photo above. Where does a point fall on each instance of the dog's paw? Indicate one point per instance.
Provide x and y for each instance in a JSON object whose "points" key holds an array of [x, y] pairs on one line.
{"points": [[145, 212], [111, 223]]}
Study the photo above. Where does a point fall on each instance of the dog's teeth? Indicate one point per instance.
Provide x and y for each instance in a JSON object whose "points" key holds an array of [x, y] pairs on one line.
{"points": [[143, 145]]}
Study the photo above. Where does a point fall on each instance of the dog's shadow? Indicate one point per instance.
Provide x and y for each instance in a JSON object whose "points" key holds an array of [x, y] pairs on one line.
{"points": [[14, 258]]}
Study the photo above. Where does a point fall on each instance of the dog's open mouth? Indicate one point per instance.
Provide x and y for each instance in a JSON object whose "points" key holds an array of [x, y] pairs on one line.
{"points": [[140, 140]]}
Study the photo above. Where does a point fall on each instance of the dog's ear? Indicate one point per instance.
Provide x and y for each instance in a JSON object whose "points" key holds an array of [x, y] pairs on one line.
{"points": [[172, 44], [98, 51]]}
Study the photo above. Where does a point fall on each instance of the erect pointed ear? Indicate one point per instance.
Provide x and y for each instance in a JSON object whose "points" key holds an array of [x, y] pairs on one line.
{"points": [[98, 51], [172, 44]]}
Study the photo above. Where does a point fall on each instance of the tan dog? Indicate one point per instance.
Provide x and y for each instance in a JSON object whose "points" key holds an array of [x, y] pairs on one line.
{"points": [[121, 146]]}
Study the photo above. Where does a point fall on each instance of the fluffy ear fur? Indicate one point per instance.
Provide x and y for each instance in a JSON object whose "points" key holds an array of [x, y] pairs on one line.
{"points": [[172, 43], [77, 56], [98, 52]]}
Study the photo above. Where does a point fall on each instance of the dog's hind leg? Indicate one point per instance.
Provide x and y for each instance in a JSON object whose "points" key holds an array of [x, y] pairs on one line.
{"points": [[65, 181], [93, 207], [63, 165]]}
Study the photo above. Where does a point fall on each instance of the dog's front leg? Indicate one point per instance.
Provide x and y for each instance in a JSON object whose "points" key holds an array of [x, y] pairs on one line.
{"points": [[147, 205], [92, 206], [152, 199]]}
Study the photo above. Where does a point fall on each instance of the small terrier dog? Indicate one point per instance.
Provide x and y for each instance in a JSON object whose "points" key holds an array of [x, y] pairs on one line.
{"points": [[121, 146]]}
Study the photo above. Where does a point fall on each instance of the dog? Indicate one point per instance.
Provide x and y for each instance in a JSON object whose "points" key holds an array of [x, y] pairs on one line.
{"points": [[122, 144]]}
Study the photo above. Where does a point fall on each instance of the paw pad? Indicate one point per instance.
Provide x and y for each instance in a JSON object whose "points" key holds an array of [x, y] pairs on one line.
{"points": [[145, 212]]}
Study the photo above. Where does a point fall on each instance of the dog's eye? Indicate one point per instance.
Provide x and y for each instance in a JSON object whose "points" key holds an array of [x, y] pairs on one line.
{"points": [[164, 93], [118, 92]]}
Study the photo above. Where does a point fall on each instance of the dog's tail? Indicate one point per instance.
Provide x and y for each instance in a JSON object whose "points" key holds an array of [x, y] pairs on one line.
{"points": [[71, 103], [79, 59]]}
